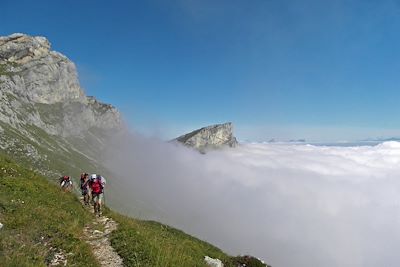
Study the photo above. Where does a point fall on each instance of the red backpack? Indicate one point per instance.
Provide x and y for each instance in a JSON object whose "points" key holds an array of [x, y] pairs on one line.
{"points": [[97, 186]]}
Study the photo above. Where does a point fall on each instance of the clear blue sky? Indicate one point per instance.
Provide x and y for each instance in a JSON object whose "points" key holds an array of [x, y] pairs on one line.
{"points": [[278, 69]]}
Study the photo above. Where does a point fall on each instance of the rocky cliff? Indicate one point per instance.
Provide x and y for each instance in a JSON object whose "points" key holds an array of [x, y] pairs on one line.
{"points": [[210, 137], [43, 108]]}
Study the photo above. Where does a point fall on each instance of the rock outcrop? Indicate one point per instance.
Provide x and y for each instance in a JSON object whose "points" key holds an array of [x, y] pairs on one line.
{"points": [[210, 137], [42, 106], [42, 87], [213, 262], [40, 75]]}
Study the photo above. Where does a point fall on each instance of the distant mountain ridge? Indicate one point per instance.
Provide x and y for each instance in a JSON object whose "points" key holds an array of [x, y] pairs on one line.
{"points": [[381, 139]]}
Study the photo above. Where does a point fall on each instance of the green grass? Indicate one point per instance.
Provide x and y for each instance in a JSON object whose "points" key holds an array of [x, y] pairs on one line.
{"points": [[54, 159], [59, 217], [149, 243], [3, 70], [36, 216]]}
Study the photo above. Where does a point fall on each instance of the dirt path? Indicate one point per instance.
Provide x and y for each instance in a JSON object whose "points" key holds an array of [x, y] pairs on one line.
{"points": [[96, 235]]}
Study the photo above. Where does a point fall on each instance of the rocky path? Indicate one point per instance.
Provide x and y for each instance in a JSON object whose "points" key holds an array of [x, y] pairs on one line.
{"points": [[96, 235]]}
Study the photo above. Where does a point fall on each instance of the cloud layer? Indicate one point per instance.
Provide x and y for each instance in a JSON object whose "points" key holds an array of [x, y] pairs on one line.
{"points": [[291, 205]]}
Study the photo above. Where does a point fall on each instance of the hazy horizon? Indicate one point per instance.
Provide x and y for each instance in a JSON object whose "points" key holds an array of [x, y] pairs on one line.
{"points": [[246, 134], [291, 205]]}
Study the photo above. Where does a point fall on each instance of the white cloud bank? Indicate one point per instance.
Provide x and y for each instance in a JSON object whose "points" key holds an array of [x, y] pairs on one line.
{"points": [[291, 205]]}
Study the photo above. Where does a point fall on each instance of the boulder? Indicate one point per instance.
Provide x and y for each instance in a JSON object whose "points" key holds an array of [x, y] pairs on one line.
{"points": [[213, 262]]}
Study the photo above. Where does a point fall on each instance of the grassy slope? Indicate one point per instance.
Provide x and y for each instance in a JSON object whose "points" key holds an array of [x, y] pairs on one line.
{"points": [[37, 216], [149, 243], [140, 243], [34, 212], [54, 159], [55, 155]]}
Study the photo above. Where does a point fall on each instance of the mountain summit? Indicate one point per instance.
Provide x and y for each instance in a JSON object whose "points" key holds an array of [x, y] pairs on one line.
{"points": [[210, 137]]}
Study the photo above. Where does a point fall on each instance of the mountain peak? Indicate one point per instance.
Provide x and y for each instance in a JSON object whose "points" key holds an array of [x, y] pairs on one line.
{"points": [[41, 99], [21, 48], [36, 72], [210, 137]]}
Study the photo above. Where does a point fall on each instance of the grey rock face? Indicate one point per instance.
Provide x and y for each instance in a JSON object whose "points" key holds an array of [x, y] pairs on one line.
{"points": [[44, 113], [40, 87], [211, 137], [43, 76]]}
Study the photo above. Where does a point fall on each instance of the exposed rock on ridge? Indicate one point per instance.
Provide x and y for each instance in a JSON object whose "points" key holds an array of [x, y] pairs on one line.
{"points": [[43, 76], [45, 115], [42, 87], [210, 137]]}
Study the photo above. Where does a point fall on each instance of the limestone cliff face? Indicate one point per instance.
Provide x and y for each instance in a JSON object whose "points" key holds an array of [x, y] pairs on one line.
{"points": [[42, 87], [44, 113], [41, 75], [210, 137]]}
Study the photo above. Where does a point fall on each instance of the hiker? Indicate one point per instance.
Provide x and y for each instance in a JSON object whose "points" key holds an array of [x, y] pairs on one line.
{"points": [[85, 188], [92, 178], [97, 183], [66, 183]]}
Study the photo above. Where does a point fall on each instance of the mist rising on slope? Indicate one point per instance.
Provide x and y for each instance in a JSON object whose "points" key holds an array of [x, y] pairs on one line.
{"points": [[292, 205]]}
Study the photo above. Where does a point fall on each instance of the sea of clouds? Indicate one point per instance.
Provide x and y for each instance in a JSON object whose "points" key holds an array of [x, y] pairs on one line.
{"points": [[291, 205]]}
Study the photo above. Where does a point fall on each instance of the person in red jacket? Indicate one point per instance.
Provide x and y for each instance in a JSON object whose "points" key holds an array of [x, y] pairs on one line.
{"points": [[97, 184]]}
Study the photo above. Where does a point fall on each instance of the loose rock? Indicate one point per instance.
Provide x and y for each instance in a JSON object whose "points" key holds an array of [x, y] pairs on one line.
{"points": [[213, 262]]}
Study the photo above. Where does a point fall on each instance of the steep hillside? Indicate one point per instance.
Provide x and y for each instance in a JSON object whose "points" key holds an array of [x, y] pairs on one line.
{"points": [[49, 126], [41, 224], [45, 118]]}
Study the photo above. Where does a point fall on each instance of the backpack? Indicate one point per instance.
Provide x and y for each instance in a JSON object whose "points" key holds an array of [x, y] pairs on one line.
{"points": [[97, 187], [64, 179], [83, 181]]}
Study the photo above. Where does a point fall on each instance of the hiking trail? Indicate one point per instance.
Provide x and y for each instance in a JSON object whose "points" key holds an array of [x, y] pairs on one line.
{"points": [[96, 235]]}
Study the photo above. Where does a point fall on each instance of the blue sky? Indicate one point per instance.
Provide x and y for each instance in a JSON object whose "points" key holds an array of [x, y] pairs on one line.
{"points": [[320, 70]]}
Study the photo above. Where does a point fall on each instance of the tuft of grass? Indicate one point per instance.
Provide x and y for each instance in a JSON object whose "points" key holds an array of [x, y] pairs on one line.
{"points": [[4, 69], [39, 220]]}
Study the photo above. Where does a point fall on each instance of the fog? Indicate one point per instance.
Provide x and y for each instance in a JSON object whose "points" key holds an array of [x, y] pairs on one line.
{"points": [[290, 205]]}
